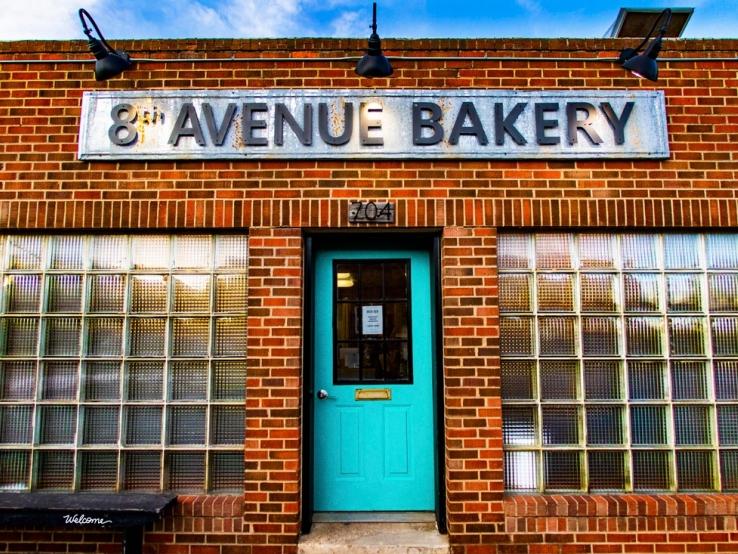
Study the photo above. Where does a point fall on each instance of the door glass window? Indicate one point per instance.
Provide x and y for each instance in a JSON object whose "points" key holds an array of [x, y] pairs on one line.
{"points": [[371, 319]]}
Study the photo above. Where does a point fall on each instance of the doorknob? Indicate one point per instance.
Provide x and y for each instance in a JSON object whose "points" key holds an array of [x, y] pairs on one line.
{"points": [[322, 394]]}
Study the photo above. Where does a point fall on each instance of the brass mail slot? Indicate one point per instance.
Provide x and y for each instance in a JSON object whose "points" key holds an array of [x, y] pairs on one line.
{"points": [[372, 394]]}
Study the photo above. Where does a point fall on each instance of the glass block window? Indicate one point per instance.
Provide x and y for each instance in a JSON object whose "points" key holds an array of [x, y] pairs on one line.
{"points": [[619, 361], [122, 362]]}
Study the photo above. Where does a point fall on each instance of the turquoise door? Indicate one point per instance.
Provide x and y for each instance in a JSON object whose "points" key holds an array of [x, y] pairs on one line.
{"points": [[374, 420]]}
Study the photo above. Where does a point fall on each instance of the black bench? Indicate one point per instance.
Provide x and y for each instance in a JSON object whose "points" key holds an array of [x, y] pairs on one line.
{"points": [[129, 512]]}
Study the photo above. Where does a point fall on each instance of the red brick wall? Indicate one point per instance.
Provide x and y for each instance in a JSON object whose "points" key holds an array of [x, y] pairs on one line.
{"points": [[43, 186]]}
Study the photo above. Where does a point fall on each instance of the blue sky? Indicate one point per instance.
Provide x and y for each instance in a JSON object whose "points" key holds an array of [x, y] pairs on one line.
{"points": [[57, 19]]}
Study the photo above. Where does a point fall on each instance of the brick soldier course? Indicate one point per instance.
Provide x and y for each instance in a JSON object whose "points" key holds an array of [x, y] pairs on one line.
{"points": [[44, 188]]}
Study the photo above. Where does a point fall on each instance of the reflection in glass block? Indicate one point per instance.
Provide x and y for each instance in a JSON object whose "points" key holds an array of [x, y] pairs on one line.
{"points": [[722, 251], [514, 292], [723, 292], [102, 381], [146, 336], [191, 293], [144, 380], [229, 381], [648, 425], [559, 379], [686, 336], [143, 425], [516, 336], [59, 381], [521, 473], [104, 336], [725, 336], [694, 470], [639, 251], [727, 417], [150, 251], [99, 471], [552, 251], [231, 252], [230, 336], [186, 425], [227, 425], [63, 336], [605, 425], [555, 292], [109, 252], [18, 380], [642, 292], [606, 470], [231, 293], [517, 379], [100, 425], [142, 471], [188, 380], [107, 293], [651, 469], [15, 424], [681, 251], [598, 292], [513, 251], [149, 293], [726, 379], [600, 336], [602, 380], [23, 292], [186, 471], [646, 380], [190, 336], [562, 470], [560, 425], [684, 292], [15, 467], [25, 252], [192, 251], [21, 336], [519, 425], [58, 424], [226, 471], [65, 293], [557, 336], [596, 251], [66, 252], [688, 380], [644, 336], [55, 469], [729, 469]]}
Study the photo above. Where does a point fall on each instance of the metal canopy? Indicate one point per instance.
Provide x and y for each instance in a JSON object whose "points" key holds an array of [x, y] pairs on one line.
{"points": [[637, 22]]}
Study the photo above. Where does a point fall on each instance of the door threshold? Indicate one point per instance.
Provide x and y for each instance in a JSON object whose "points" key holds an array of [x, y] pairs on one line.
{"points": [[374, 517]]}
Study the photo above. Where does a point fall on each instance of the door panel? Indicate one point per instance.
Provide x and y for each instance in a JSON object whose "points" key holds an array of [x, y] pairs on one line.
{"points": [[373, 337]]}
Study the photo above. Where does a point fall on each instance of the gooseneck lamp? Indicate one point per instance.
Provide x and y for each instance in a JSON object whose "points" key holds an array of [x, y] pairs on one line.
{"points": [[374, 64], [644, 65], [110, 62]]}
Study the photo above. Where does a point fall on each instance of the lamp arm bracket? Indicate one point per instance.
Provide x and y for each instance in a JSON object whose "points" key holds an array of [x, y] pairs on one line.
{"points": [[84, 13]]}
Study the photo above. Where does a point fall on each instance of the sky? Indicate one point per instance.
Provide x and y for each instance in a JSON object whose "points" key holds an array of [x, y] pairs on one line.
{"points": [[57, 19]]}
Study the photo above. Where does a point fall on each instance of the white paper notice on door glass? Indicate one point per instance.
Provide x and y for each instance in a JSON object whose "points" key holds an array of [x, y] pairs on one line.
{"points": [[371, 320]]}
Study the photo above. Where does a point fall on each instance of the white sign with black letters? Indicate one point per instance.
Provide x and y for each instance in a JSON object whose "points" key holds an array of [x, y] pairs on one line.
{"points": [[371, 320], [373, 124]]}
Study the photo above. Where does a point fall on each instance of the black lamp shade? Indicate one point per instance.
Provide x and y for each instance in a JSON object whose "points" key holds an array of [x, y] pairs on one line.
{"points": [[643, 66], [111, 65], [374, 65]]}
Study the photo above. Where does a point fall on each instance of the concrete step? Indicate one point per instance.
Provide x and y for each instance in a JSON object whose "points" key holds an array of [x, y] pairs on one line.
{"points": [[374, 538]]}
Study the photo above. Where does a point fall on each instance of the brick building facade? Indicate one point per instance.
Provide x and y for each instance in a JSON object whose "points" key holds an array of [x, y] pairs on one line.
{"points": [[466, 208]]}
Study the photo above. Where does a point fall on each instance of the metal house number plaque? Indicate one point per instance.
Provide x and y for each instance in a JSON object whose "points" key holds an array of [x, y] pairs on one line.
{"points": [[371, 212]]}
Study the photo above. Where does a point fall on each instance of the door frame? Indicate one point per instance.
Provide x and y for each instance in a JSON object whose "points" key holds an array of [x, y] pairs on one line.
{"points": [[427, 241]]}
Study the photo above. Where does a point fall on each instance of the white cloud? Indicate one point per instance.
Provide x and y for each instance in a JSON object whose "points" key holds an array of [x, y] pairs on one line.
{"points": [[48, 19], [530, 6], [348, 24]]}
